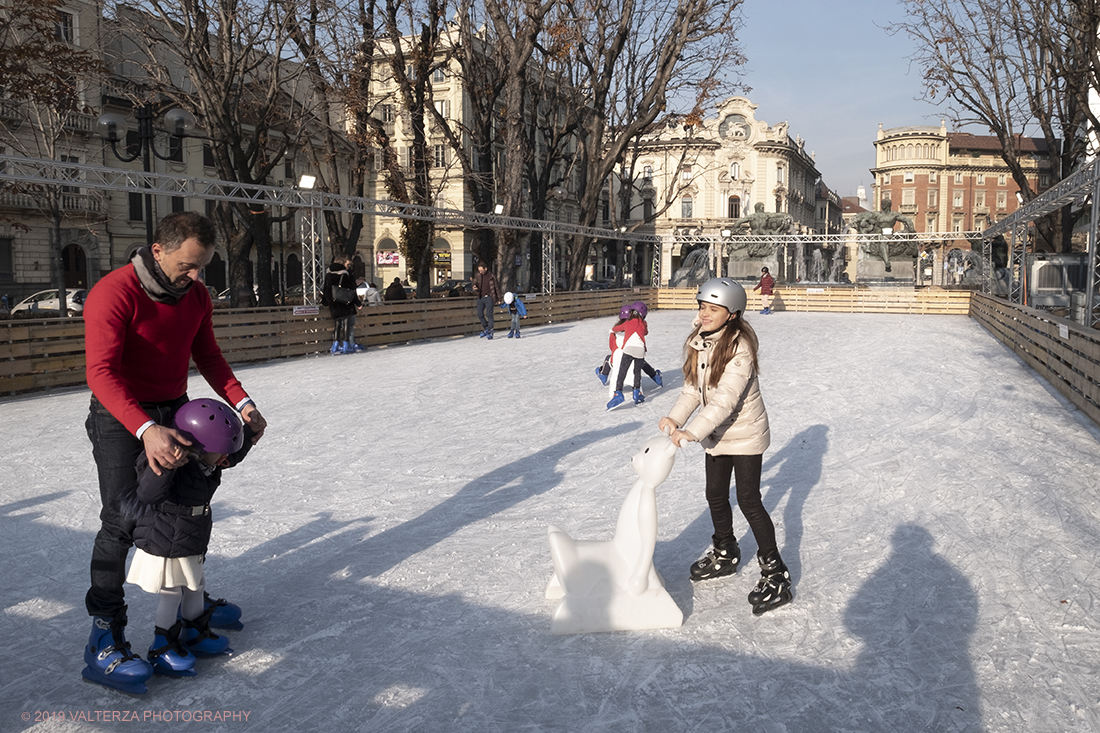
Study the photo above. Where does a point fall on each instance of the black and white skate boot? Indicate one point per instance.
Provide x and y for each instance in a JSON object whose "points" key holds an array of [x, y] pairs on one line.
{"points": [[774, 587], [722, 558]]}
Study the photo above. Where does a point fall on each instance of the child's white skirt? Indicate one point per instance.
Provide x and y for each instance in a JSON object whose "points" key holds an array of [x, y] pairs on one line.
{"points": [[153, 574]]}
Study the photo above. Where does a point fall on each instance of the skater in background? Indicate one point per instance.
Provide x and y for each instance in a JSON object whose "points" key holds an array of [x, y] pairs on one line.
{"points": [[144, 323], [487, 290], [343, 303], [631, 352], [172, 518], [655, 374], [721, 381], [515, 306], [615, 343], [766, 286]]}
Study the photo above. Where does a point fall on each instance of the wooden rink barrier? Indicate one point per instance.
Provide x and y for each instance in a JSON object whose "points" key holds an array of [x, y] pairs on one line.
{"points": [[37, 354]]}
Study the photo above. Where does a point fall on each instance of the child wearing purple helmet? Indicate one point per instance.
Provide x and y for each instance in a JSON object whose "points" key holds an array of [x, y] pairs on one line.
{"points": [[172, 533]]}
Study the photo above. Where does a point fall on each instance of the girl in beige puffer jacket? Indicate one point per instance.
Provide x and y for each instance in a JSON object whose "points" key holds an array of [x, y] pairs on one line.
{"points": [[721, 382]]}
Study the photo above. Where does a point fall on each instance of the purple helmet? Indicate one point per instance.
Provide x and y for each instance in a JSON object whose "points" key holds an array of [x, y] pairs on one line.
{"points": [[210, 425], [624, 312], [641, 308]]}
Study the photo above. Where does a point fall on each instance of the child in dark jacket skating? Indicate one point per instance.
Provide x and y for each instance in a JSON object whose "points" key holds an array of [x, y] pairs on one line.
{"points": [[172, 510]]}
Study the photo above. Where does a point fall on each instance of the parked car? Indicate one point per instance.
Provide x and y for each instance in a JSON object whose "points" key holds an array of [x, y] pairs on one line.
{"points": [[452, 289], [46, 300], [595, 285]]}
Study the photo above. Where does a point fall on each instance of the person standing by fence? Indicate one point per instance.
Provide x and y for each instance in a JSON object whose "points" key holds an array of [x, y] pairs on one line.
{"points": [[487, 290], [343, 302]]}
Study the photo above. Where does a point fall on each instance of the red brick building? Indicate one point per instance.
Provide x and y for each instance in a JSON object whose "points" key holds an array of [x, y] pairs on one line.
{"points": [[951, 182]]}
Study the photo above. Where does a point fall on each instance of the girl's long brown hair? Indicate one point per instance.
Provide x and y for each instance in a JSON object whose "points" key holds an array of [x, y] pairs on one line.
{"points": [[736, 331]]}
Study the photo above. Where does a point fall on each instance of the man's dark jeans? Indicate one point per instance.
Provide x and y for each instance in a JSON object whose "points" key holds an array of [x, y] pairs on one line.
{"points": [[485, 308], [115, 450]]}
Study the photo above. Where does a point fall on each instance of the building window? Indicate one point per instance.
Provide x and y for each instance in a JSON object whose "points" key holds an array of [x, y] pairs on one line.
{"points": [[288, 167], [686, 207], [647, 173], [957, 199], [908, 176], [137, 206], [1002, 199], [885, 179], [443, 107], [64, 26], [735, 171], [981, 179], [7, 260], [735, 207], [957, 224], [1001, 179], [178, 204], [1044, 180], [685, 172], [208, 155], [70, 159], [958, 178], [979, 198], [439, 76], [389, 114], [175, 148], [932, 176], [933, 198], [931, 225], [779, 175], [439, 156], [909, 197]]}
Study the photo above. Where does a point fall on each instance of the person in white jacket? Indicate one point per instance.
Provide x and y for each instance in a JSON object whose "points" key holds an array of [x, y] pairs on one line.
{"points": [[721, 382]]}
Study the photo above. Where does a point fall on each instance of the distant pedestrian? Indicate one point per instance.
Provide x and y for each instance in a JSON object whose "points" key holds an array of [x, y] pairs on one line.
{"points": [[488, 295], [396, 291]]}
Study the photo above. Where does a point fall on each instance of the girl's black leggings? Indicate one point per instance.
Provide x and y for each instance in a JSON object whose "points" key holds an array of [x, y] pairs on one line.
{"points": [[746, 471]]}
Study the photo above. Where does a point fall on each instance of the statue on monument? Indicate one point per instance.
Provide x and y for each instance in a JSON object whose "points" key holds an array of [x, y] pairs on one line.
{"points": [[760, 223], [884, 245]]}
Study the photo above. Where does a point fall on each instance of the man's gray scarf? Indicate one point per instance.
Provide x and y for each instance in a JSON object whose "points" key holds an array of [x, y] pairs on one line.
{"points": [[157, 285]]}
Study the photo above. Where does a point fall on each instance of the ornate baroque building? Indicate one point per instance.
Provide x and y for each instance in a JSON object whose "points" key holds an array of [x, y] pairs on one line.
{"points": [[707, 176]]}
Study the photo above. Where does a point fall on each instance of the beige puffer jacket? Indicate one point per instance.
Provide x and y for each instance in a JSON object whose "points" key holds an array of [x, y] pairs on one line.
{"points": [[732, 419]]}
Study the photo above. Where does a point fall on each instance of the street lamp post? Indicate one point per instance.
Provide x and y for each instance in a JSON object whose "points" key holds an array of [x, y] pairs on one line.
{"points": [[111, 125]]}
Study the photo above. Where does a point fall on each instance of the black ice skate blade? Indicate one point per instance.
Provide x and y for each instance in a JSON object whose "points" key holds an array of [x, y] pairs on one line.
{"points": [[135, 690], [782, 600], [713, 576]]}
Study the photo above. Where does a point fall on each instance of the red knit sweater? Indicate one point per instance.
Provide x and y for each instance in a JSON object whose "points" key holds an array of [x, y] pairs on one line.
{"points": [[137, 350]]}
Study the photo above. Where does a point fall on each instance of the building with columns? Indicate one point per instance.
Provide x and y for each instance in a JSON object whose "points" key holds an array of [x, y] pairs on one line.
{"points": [[951, 181]]}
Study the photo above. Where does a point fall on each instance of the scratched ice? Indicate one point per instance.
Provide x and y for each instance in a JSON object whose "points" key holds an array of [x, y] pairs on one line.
{"points": [[937, 505]]}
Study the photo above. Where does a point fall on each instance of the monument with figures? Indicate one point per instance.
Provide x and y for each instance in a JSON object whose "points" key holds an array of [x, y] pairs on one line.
{"points": [[885, 254]]}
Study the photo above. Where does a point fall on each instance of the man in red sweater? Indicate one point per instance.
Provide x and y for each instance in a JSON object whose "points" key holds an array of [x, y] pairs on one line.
{"points": [[143, 323]]}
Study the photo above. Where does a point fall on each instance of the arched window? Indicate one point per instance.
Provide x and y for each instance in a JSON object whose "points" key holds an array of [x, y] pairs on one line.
{"points": [[735, 207], [735, 171]]}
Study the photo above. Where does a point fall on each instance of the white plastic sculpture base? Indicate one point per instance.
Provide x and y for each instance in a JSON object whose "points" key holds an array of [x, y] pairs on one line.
{"points": [[611, 585]]}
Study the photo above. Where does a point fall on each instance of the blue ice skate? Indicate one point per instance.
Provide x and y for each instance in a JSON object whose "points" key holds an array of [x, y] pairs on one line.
{"points": [[168, 654], [639, 398], [109, 660], [200, 640], [657, 378], [616, 400], [602, 377]]}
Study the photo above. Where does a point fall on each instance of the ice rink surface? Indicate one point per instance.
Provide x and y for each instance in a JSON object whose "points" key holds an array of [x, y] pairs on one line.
{"points": [[937, 504]]}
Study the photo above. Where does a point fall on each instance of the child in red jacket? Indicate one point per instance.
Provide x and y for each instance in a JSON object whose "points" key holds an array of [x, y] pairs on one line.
{"points": [[632, 331], [765, 286]]}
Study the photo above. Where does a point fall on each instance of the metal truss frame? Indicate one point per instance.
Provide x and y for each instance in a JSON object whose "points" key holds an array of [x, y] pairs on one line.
{"points": [[1076, 189], [39, 172]]}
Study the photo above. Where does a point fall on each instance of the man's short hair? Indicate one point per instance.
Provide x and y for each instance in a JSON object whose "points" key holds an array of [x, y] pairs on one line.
{"points": [[177, 228]]}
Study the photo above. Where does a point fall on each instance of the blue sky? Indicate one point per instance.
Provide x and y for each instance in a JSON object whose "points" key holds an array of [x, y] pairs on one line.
{"points": [[832, 72]]}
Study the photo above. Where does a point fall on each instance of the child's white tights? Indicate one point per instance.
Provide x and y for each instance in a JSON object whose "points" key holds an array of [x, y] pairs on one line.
{"points": [[176, 599]]}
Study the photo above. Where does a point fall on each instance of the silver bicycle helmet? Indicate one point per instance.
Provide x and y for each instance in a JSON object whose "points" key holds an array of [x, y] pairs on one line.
{"points": [[725, 292]]}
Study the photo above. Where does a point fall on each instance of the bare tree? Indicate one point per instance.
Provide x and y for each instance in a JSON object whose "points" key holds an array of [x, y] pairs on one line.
{"points": [[629, 63], [38, 65], [1009, 67], [231, 62]]}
